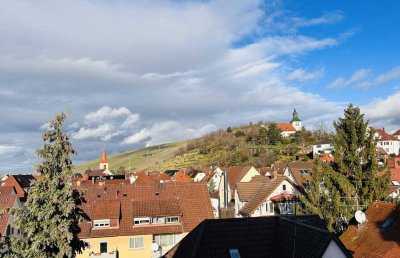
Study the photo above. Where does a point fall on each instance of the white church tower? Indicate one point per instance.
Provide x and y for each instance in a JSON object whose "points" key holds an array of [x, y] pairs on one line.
{"points": [[296, 122]]}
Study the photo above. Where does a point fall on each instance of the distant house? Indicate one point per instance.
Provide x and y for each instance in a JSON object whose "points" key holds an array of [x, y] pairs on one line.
{"points": [[128, 221], [390, 143], [21, 184], [8, 199], [393, 165], [377, 237], [297, 172], [288, 129], [235, 174], [265, 196], [300, 236], [323, 147]]}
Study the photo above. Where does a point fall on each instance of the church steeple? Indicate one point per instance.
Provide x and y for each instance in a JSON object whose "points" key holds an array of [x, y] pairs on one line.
{"points": [[296, 122], [103, 160]]}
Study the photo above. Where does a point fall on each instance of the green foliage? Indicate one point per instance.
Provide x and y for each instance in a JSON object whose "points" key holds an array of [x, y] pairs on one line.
{"points": [[51, 214], [329, 194], [121, 170], [274, 134], [355, 155], [229, 129], [239, 133]]}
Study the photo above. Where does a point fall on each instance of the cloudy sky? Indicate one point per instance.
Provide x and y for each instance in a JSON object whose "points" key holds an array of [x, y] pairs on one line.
{"points": [[138, 73]]}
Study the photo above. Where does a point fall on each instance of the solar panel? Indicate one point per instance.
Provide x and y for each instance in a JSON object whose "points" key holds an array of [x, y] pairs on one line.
{"points": [[387, 223]]}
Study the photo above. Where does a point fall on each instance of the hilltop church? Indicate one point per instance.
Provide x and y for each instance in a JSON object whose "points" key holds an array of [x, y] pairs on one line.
{"points": [[288, 129]]}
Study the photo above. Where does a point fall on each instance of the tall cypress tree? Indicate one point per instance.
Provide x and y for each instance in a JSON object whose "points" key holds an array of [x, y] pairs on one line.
{"points": [[355, 155], [51, 214]]}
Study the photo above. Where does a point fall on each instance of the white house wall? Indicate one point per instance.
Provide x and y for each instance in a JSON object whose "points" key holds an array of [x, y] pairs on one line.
{"points": [[333, 251]]}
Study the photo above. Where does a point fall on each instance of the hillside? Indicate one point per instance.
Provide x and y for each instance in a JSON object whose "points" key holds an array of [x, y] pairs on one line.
{"points": [[141, 159], [250, 144]]}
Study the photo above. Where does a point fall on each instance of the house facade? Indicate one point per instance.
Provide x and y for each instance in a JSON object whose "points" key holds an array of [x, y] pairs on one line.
{"points": [[389, 143], [289, 129], [131, 220], [323, 147]]}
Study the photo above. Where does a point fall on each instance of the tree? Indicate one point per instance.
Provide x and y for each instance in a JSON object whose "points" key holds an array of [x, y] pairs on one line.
{"points": [[121, 170], [274, 134], [51, 214], [330, 195], [355, 155]]}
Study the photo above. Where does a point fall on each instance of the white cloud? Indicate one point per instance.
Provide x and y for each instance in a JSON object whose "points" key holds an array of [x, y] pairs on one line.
{"points": [[385, 77], [328, 18], [7, 149], [304, 75], [106, 113], [355, 78]]}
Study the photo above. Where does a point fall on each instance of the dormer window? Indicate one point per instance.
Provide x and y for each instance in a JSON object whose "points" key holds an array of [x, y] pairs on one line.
{"points": [[141, 221], [103, 223], [174, 219], [157, 220]]}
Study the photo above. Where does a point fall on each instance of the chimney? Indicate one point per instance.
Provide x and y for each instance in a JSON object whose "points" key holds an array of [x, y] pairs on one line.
{"points": [[274, 174], [383, 128], [225, 190], [93, 180], [226, 212]]}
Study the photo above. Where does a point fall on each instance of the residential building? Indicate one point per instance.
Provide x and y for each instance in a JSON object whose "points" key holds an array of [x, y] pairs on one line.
{"points": [[235, 174], [265, 196], [8, 199], [125, 220], [274, 236], [21, 184], [393, 165], [297, 172], [378, 236], [390, 143], [323, 147]]}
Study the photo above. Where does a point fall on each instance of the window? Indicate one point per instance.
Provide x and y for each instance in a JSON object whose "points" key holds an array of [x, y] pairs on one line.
{"points": [[158, 220], [104, 223], [174, 219], [284, 187], [167, 240], [387, 223], [394, 182], [103, 247], [139, 221], [398, 162], [303, 171], [234, 253], [271, 207], [136, 243], [286, 208]]}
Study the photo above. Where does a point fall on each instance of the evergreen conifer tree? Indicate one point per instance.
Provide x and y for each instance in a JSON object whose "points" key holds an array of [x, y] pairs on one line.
{"points": [[51, 214], [329, 195], [274, 134], [355, 155]]}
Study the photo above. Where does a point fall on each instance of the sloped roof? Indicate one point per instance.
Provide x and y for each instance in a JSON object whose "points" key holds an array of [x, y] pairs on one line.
{"points": [[370, 240], [397, 132], [193, 198], [104, 157], [7, 200], [270, 236], [105, 209], [265, 190], [295, 168], [158, 207], [384, 136], [247, 190], [286, 127], [20, 183], [235, 174]]}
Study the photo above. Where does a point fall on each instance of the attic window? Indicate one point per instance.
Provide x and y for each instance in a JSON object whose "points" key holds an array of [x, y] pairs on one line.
{"points": [[394, 182], [303, 171], [398, 162], [234, 253], [104, 223], [387, 223]]}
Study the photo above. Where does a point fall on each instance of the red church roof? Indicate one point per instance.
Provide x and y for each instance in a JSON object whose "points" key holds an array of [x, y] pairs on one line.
{"points": [[285, 127], [104, 157]]}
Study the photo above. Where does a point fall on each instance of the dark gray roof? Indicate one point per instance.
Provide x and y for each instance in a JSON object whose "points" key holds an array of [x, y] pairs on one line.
{"points": [[257, 237]]}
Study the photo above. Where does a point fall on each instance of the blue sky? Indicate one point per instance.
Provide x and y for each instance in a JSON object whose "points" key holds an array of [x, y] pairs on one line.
{"points": [[139, 73]]}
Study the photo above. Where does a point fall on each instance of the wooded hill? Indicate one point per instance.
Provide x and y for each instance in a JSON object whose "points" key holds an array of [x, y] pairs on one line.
{"points": [[252, 144]]}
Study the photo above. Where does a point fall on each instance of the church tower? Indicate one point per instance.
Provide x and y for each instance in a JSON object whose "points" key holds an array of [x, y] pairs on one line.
{"points": [[296, 122], [104, 161]]}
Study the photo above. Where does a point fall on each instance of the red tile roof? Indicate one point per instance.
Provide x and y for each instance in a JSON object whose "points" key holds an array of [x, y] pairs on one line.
{"points": [[21, 183], [396, 133], [384, 136], [189, 199], [285, 127], [180, 176], [8, 198], [370, 240], [295, 168]]}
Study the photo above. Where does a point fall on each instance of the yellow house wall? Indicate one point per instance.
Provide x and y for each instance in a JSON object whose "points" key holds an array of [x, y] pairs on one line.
{"points": [[121, 243], [249, 175]]}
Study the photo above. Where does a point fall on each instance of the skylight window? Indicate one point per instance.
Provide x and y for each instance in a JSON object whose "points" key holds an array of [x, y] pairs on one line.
{"points": [[387, 223], [303, 171], [234, 253], [394, 182]]}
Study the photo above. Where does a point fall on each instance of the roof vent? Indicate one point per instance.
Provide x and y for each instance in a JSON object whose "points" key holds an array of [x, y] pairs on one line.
{"points": [[125, 194], [157, 193]]}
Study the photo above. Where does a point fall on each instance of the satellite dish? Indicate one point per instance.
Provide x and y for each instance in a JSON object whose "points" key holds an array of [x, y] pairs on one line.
{"points": [[360, 217], [154, 247]]}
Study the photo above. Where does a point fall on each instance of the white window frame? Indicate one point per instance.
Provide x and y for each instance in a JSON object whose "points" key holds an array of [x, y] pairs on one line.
{"points": [[134, 240], [141, 221], [176, 239], [158, 222], [168, 219], [101, 223]]}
